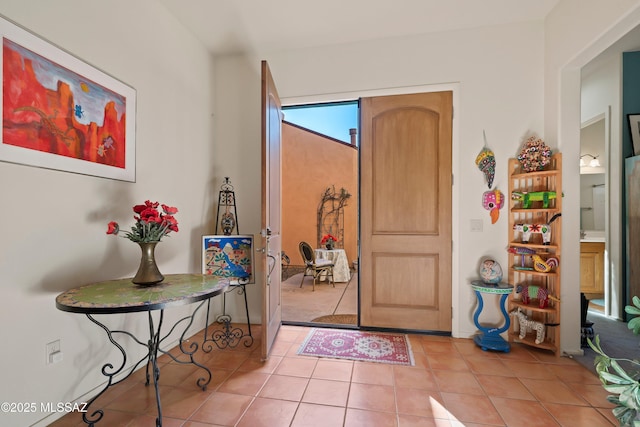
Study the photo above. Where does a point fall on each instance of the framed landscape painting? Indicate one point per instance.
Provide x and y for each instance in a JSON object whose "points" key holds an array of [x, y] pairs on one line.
{"points": [[229, 257], [61, 113]]}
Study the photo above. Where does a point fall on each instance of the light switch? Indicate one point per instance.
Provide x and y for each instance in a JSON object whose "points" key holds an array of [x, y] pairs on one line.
{"points": [[476, 225]]}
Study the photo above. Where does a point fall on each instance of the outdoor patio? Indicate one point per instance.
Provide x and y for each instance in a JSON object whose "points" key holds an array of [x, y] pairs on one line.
{"points": [[303, 305]]}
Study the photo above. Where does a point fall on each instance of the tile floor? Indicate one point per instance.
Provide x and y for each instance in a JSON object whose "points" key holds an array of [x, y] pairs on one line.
{"points": [[453, 383]]}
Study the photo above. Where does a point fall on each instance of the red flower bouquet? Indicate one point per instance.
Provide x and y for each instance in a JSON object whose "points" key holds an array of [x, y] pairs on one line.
{"points": [[151, 224], [328, 238]]}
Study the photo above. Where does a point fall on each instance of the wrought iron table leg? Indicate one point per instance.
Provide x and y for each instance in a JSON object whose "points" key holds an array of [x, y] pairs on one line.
{"points": [[107, 368], [154, 342], [189, 350], [153, 348]]}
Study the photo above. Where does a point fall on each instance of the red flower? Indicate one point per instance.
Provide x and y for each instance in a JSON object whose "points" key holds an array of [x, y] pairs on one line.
{"points": [[151, 225], [326, 238], [171, 221], [113, 228], [169, 210], [147, 204], [150, 215]]}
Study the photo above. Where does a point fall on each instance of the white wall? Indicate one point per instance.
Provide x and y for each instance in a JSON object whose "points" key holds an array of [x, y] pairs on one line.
{"points": [[498, 74], [576, 32], [53, 223]]}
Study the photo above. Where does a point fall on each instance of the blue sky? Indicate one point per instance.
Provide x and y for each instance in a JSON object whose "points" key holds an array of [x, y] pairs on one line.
{"points": [[334, 119]]}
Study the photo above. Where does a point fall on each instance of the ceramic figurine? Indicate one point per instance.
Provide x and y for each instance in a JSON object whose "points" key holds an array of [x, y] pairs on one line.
{"points": [[535, 155], [490, 271]]}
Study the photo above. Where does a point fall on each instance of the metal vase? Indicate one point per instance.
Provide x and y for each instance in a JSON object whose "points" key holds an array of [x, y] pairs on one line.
{"points": [[148, 273]]}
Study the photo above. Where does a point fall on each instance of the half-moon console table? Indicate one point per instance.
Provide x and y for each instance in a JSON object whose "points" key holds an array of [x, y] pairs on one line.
{"points": [[123, 296]]}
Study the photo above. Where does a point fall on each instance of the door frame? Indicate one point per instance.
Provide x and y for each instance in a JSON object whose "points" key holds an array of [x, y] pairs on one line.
{"points": [[455, 170]]}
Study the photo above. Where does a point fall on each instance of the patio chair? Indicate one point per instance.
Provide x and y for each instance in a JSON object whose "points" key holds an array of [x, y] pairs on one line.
{"points": [[315, 267]]}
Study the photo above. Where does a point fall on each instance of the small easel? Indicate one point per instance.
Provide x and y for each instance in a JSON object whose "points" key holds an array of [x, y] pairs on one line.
{"points": [[227, 199], [228, 336]]}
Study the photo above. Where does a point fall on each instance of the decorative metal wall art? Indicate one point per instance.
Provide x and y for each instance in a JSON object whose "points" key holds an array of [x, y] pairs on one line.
{"points": [[331, 214]]}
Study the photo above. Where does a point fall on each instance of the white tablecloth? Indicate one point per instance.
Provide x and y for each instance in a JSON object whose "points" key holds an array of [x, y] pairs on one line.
{"points": [[341, 271]]}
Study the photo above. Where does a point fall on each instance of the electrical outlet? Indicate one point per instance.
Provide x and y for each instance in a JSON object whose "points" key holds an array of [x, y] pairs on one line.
{"points": [[52, 352]]}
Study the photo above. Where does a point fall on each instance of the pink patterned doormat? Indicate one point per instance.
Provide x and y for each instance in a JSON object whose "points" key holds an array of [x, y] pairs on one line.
{"points": [[358, 345]]}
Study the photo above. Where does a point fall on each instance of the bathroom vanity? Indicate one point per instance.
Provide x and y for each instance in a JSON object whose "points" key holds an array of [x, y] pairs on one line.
{"points": [[592, 264]]}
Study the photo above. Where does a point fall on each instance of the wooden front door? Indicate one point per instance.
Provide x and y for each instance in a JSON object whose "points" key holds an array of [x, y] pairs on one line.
{"points": [[405, 264], [271, 210]]}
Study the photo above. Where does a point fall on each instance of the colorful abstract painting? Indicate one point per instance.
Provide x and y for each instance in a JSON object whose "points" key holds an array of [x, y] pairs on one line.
{"points": [[60, 113], [228, 257]]}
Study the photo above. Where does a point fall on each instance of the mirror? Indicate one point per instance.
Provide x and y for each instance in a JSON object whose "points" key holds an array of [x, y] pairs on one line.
{"points": [[592, 201], [592, 179]]}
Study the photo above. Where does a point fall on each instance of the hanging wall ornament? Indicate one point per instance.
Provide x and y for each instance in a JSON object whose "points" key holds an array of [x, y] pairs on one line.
{"points": [[493, 201], [486, 162]]}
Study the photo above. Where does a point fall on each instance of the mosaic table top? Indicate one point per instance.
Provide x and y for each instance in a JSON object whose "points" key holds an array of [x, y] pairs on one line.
{"points": [[124, 296], [491, 288]]}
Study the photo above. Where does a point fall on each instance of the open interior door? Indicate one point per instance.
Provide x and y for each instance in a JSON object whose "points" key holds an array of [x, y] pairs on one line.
{"points": [[405, 196], [271, 210]]}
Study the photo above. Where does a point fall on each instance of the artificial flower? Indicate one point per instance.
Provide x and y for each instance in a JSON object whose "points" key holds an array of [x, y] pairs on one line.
{"points": [[326, 239], [151, 224]]}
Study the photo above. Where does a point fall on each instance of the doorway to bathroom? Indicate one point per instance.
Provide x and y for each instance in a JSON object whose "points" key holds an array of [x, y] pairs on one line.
{"points": [[593, 212]]}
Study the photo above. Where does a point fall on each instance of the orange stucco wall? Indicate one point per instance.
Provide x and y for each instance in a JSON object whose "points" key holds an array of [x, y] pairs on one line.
{"points": [[311, 163]]}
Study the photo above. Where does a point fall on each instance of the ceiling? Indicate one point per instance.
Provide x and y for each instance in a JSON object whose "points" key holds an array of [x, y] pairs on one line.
{"points": [[233, 26]]}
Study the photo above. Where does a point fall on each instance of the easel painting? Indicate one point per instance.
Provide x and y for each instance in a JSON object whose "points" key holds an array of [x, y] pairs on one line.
{"points": [[61, 113], [229, 257]]}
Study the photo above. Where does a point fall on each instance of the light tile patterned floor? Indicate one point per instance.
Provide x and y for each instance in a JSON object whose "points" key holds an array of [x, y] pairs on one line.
{"points": [[454, 383]]}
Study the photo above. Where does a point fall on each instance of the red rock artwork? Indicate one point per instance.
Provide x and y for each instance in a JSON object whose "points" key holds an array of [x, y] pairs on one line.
{"points": [[49, 108]]}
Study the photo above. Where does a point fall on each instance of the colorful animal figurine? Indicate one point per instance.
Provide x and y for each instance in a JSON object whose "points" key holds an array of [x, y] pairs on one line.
{"points": [[536, 196], [526, 325], [542, 265], [493, 201], [544, 229], [522, 252], [526, 293]]}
